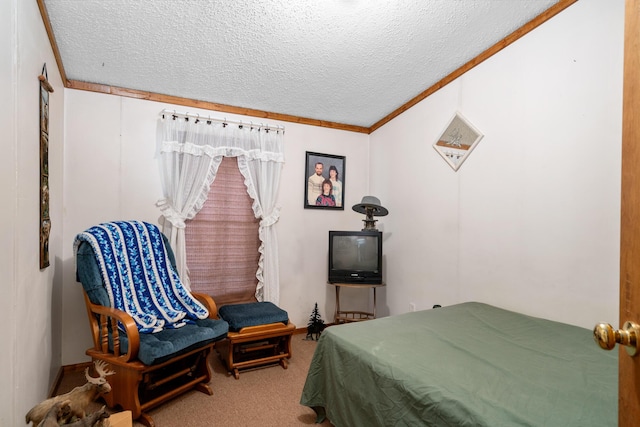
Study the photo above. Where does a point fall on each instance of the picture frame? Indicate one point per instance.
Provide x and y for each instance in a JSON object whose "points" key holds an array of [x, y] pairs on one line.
{"points": [[320, 168], [457, 141]]}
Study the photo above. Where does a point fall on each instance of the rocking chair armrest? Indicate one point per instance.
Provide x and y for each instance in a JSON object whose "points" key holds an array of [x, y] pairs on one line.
{"points": [[109, 315], [208, 302]]}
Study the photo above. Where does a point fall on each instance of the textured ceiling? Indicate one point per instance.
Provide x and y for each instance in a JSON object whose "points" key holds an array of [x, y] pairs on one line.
{"points": [[344, 61]]}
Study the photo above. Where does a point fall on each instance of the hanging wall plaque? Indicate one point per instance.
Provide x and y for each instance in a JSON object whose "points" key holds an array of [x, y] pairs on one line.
{"points": [[45, 220], [457, 141]]}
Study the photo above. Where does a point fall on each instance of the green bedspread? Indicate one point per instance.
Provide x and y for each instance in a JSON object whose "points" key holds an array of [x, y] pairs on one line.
{"points": [[465, 365]]}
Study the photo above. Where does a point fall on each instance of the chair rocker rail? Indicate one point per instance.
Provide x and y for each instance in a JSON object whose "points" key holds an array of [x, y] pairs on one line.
{"points": [[142, 391]]}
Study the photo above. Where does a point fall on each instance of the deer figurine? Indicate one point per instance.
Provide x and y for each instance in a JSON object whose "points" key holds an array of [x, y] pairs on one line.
{"points": [[80, 397], [91, 420], [59, 411]]}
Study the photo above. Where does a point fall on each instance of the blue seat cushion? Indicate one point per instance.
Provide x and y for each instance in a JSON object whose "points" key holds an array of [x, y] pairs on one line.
{"points": [[252, 314], [168, 343]]}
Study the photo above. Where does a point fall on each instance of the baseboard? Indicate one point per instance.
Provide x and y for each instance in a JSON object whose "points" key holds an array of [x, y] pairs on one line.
{"points": [[65, 370], [56, 383]]}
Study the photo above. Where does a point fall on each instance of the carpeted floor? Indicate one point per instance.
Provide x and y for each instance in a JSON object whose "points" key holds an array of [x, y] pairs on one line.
{"points": [[261, 397]]}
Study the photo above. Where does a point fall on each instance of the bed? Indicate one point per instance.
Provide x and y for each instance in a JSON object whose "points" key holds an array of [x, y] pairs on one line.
{"points": [[469, 364]]}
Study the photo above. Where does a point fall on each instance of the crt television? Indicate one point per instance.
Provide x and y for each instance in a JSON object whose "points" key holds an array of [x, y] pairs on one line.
{"points": [[355, 257]]}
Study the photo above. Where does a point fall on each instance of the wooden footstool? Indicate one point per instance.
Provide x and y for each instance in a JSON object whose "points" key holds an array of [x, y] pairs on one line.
{"points": [[259, 334]]}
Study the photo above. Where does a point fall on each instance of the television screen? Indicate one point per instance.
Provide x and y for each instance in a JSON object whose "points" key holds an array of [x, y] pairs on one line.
{"points": [[355, 257]]}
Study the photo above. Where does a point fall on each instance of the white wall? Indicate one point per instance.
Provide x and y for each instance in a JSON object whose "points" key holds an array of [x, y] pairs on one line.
{"points": [[8, 143], [113, 174], [31, 303], [530, 221]]}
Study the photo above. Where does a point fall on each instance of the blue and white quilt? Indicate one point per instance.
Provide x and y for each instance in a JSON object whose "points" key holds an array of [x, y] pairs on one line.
{"points": [[139, 278]]}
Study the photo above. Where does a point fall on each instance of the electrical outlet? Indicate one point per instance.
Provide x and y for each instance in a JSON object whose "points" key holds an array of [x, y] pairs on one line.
{"points": [[412, 306]]}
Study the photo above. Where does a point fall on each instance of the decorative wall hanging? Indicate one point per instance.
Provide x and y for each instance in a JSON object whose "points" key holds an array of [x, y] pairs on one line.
{"points": [[457, 141], [324, 181], [45, 220]]}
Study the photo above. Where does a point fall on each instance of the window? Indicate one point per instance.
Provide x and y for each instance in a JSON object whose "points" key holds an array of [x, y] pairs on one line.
{"points": [[222, 240]]}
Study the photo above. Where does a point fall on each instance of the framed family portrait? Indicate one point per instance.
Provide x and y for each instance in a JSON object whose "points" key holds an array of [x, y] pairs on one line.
{"points": [[324, 181]]}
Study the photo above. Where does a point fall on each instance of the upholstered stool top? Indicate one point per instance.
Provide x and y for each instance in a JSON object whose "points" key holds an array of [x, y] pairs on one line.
{"points": [[252, 314]]}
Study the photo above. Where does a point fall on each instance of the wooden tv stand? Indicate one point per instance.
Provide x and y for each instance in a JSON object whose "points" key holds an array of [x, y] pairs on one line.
{"points": [[345, 316]]}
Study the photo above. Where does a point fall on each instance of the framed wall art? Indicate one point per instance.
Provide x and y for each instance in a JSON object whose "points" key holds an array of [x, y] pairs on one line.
{"points": [[45, 220], [324, 181], [457, 141]]}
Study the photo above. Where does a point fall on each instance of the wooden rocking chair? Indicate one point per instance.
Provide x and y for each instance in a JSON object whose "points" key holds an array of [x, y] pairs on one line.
{"points": [[150, 368]]}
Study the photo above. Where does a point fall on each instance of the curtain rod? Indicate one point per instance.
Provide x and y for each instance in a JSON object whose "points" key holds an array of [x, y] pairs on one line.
{"points": [[224, 121]]}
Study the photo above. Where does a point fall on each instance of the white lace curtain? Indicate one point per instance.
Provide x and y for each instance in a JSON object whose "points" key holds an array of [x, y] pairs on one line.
{"points": [[191, 149]]}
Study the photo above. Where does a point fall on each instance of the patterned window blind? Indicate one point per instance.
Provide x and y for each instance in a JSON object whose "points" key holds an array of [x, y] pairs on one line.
{"points": [[222, 240]]}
